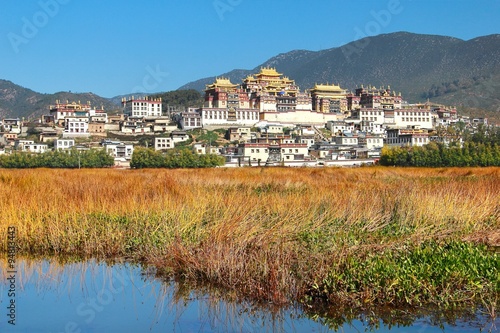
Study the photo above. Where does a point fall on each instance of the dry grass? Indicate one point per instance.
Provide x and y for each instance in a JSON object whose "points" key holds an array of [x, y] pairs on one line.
{"points": [[268, 233]]}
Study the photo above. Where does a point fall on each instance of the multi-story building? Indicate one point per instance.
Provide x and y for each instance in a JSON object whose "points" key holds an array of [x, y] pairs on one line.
{"points": [[407, 137], [371, 141], [371, 127], [238, 134], [35, 148], [98, 116], [76, 126], [228, 117], [374, 115], [417, 118], [226, 104], [163, 143], [12, 125], [134, 125], [142, 107], [8, 139], [339, 127], [20, 143], [328, 98], [118, 149], [61, 110], [271, 152], [61, 144], [223, 94], [257, 152], [190, 120], [294, 151], [271, 91], [97, 128], [347, 140], [47, 134], [377, 98]]}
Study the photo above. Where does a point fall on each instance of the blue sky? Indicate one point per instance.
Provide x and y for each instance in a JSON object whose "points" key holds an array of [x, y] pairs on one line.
{"points": [[113, 47]]}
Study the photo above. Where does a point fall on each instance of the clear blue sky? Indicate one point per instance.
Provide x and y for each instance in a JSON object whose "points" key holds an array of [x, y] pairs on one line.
{"points": [[113, 47]]}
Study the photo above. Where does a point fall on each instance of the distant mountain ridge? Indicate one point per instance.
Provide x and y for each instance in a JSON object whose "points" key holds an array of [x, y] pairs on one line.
{"points": [[19, 102], [444, 69]]}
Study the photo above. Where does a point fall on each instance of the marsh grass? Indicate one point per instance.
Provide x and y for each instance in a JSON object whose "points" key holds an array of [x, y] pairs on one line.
{"points": [[273, 234]]}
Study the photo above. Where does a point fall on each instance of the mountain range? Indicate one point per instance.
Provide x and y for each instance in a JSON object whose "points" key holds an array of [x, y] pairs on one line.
{"points": [[17, 101], [442, 69]]}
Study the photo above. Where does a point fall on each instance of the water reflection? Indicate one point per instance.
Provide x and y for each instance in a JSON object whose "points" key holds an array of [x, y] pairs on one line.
{"points": [[74, 295]]}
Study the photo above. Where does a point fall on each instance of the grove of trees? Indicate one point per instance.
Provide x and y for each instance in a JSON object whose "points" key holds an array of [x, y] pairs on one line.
{"points": [[482, 148], [175, 158], [93, 158]]}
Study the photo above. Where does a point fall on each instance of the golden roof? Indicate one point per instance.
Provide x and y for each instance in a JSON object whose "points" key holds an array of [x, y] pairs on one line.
{"points": [[268, 71], [328, 87], [221, 82]]}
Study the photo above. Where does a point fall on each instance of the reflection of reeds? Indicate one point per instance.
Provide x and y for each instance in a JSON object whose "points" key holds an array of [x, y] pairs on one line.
{"points": [[268, 234]]}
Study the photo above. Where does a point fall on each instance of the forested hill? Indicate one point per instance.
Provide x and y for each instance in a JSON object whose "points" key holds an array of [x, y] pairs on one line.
{"points": [[17, 101]]}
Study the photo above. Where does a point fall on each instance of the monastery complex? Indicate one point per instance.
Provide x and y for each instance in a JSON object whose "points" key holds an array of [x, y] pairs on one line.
{"points": [[267, 119]]}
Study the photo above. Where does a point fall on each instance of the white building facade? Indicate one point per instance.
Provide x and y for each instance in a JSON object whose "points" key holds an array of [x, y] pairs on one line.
{"points": [[61, 144], [142, 107], [162, 143]]}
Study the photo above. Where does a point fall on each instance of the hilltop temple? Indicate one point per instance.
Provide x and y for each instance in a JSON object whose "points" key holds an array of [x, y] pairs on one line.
{"points": [[268, 96], [271, 97]]}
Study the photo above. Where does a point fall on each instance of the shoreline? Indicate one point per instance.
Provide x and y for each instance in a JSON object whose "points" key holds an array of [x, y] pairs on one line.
{"points": [[247, 231]]}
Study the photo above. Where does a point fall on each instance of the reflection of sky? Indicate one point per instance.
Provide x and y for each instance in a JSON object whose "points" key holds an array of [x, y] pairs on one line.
{"points": [[91, 297]]}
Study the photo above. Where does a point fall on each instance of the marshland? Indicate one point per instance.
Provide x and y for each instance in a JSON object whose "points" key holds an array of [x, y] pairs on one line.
{"points": [[363, 238]]}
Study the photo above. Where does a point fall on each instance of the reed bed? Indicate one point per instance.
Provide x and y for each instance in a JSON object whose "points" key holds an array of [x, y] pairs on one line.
{"points": [[276, 234]]}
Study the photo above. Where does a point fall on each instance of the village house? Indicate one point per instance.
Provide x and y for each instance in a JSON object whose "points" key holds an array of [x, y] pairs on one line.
{"points": [[190, 120], [258, 152], [418, 118], [305, 139], [371, 142], [345, 140], [48, 134], [97, 128], [275, 152], [7, 138], [98, 115], [37, 148], [20, 143], [12, 125], [294, 151], [407, 137], [238, 134], [60, 111], [339, 127], [118, 150], [271, 129], [331, 152], [142, 107], [134, 125], [61, 144], [162, 125], [114, 122], [76, 126], [179, 136], [163, 143]]}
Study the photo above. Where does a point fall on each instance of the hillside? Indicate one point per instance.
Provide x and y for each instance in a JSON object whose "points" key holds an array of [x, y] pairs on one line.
{"points": [[17, 101], [466, 72]]}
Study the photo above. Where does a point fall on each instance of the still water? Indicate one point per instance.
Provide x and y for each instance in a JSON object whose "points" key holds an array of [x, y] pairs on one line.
{"points": [[92, 296]]}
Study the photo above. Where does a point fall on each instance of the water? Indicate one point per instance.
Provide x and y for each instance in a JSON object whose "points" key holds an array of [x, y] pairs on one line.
{"points": [[93, 296]]}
